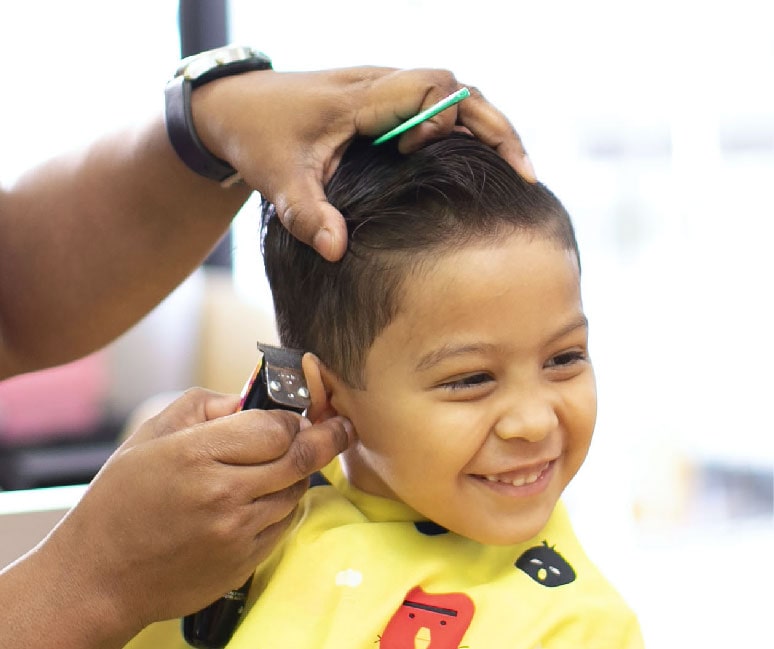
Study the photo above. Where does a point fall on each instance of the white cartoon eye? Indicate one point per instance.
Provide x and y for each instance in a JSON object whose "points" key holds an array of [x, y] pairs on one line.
{"points": [[536, 562], [556, 571]]}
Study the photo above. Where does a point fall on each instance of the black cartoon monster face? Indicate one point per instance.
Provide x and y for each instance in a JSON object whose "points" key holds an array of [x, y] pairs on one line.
{"points": [[546, 566]]}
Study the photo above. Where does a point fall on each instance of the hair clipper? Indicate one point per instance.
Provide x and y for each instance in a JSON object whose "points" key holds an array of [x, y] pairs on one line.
{"points": [[277, 382]]}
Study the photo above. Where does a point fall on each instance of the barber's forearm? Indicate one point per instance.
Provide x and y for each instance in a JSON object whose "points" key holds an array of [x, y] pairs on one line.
{"points": [[42, 606], [91, 242]]}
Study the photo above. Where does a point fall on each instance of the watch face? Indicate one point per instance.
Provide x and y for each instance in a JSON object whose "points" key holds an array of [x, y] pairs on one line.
{"points": [[194, 66]]}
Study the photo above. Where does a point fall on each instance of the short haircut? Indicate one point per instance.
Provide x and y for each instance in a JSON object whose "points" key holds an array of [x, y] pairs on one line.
{"points": [[402, 212]]}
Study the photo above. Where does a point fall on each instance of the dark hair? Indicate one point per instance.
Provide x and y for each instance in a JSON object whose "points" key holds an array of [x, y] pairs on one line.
{"points": [[401, 212]]}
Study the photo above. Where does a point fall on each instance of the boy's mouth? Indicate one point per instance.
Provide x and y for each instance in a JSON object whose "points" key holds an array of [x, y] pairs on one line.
{"points": [[519, 477]]}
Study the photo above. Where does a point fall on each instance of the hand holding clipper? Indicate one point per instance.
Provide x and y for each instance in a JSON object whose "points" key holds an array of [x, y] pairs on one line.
{"points": [[277, 382]]}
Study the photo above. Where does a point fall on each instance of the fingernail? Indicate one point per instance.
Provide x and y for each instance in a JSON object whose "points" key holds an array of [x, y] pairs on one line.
{"points": [[528, 169], [303, 423], [322, 242]]}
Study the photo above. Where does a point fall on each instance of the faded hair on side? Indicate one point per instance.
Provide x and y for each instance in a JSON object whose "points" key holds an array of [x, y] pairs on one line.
{"points": [[402, 212]]}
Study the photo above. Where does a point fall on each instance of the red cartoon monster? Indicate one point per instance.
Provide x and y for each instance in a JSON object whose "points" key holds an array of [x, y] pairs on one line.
{"points": [[426, 621]]}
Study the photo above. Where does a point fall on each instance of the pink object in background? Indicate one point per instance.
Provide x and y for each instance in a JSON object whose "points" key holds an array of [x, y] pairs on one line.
{"points": [[61, 402]]}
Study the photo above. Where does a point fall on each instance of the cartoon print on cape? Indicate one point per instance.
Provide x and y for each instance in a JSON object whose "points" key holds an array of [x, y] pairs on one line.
{"points": [[546, 566], [428, 621]]}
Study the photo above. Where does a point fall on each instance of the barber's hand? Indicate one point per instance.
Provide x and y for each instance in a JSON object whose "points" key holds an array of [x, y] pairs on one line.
{"points": [[286, 132], [186, 508]]}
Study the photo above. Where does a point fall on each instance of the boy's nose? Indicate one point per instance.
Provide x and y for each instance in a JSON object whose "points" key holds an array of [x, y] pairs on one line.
{"points": [[530, 417]]}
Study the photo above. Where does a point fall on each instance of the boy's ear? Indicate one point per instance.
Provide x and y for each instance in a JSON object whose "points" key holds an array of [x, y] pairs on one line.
{"points": [[318, 379]]}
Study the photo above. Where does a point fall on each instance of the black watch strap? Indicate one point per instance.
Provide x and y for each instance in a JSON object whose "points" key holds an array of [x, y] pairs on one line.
{"points": [[183, 137], [179, 120]]}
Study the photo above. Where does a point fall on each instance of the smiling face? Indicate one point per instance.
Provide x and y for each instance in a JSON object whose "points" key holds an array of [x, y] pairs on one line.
{"points": [[479, 400]]}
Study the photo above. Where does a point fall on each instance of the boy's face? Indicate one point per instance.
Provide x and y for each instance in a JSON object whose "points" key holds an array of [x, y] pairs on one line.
{"points": [[479, 400]]}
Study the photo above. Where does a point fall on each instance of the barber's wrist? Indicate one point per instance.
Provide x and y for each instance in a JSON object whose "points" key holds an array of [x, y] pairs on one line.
{"points": [[212, 113], [195, 72]]}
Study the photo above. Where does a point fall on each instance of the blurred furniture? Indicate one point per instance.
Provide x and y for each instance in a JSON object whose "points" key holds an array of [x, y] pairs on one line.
{"points": [[26, 517]]}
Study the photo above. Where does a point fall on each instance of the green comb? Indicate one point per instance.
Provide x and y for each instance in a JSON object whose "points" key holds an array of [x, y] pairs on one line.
{"points": [[426, 114]]}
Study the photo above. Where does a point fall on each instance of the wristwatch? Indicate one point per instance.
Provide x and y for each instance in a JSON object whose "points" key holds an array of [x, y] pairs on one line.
{"points": [[195, 71]]}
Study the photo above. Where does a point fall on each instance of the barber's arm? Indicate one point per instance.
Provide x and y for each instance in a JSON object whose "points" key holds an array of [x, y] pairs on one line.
{"points": [[179, 515], [91, 241]]}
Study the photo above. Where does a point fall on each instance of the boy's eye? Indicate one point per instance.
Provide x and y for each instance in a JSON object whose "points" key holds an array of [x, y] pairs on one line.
{"points": [[471, 381], [566, 359]]}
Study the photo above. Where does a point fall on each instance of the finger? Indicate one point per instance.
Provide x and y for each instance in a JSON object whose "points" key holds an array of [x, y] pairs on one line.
{"points": [[491, 126], [305, 211], [254, 549], [197, 405], [247, 438], [438, 126], [267, 538], [315, 447], [274, 506], [405, 93], [311, 450], [395, 97], [193, 407]]}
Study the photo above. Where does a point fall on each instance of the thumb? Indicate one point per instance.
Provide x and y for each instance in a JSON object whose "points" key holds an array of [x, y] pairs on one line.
{"points": [[306, 213]]}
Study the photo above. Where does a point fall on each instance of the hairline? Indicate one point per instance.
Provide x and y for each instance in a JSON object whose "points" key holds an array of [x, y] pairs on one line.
{"points": [[419, 260]]}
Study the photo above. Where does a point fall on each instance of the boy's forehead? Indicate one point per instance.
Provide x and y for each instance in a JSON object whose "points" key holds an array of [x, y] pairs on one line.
{"points": [[504, 262], [510, 290]]}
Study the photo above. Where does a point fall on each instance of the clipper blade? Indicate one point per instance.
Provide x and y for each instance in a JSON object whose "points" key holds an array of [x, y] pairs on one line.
{"points": [[285, 382]]}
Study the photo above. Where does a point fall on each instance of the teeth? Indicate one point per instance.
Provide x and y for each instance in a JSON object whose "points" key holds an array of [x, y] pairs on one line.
{"points": [[521, 480]]}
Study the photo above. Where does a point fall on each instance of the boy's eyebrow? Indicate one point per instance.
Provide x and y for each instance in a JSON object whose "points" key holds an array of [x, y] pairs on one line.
{"points": [[448, 351], [581, 322]]}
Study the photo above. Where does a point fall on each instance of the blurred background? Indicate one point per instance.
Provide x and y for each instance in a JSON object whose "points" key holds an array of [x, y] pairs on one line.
{"points": [[652, 121]]}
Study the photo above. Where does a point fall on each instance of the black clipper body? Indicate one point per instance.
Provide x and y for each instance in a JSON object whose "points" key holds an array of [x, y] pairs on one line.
{"points": [[277, 383]]}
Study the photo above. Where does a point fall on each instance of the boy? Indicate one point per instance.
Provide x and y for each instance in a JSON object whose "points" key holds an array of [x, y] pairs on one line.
{"points": [[452, 335]]}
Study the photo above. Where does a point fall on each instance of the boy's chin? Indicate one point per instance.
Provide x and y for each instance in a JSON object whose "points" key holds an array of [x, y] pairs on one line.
{"points": [[504, 539], [503, 536], [503, 533]]}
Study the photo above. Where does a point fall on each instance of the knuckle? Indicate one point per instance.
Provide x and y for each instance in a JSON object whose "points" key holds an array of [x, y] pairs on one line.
{"points": [[219, 494], [226, 530], [303, 456], [282, 504], [475, 92], [267, 537], [296, 491], [284, 523], [185, 410], [278, 429], [191, 401], [195, 394], [444, 78], [287, 217]]}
